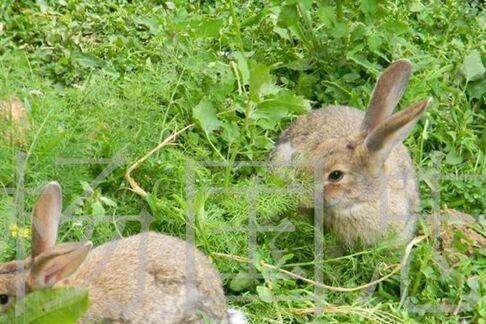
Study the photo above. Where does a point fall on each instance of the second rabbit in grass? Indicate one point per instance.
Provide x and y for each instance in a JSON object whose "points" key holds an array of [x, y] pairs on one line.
{"points": [[368, 182], [146, 278]]}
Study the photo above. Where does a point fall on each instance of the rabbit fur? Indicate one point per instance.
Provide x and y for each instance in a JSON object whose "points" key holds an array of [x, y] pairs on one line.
{"points": [[369, 185]]}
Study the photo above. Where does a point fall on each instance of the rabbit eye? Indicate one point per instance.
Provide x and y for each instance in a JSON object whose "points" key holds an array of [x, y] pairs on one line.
{"points": [[335, 175], [4, 299]]}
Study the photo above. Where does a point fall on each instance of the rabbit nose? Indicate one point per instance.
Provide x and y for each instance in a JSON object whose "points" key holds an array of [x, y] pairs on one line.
{"points": [[331, 187]]}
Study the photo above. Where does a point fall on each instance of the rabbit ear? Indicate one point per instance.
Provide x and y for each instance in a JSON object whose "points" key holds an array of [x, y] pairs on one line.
{"points": [[395, 129], [388, 91], [57, 263], [45, 218]]}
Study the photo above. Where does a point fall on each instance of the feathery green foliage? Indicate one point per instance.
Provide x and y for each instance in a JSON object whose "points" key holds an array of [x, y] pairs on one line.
{"points": [[114, 78]]}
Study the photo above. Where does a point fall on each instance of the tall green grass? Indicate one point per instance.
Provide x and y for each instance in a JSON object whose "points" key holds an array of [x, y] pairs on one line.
{"points": [[115, 78]]}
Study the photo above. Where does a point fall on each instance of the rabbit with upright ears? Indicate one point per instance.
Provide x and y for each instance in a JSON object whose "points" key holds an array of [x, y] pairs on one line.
{"points": [[146, 278], [366, 174]]}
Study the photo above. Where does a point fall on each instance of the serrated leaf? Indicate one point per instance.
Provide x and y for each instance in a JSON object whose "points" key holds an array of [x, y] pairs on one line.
{"points": [[205, 114], [472, 67], [288, 101], [272, 110], [231, 132], [260, 81], [327, 15], [108, 202], [59, 305]]}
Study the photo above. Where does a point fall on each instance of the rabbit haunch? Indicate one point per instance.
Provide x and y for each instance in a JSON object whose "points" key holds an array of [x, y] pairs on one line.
{"points": [[146, 278], [369, 184]]}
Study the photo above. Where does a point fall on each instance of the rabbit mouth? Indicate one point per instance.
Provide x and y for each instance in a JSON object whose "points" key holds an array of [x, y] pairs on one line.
{"points": [[347, 209]]}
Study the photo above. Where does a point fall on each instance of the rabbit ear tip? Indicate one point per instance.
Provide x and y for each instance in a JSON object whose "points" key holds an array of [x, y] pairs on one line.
{"points": [[53, 185], [404, 62]]}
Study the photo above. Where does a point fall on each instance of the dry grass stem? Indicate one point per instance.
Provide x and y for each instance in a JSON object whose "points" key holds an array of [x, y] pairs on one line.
{"points": [[134, 186], [397, 268]]}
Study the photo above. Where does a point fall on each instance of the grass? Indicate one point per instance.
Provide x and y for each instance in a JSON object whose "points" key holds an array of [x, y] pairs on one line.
{"points": [[113, 79]]}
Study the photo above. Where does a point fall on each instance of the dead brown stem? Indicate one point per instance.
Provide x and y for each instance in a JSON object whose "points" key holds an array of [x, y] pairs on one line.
{"points": [[398, 267], [134, 186]]}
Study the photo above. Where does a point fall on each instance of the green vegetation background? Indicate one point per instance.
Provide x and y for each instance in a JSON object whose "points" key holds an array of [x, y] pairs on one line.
{"points": [[114, 78]]}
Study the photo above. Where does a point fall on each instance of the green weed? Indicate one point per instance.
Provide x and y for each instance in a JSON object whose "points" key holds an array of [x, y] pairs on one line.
{"points": [[114, 78]]}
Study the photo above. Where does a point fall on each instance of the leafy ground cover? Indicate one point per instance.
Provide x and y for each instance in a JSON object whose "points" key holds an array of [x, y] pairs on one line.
{"points": [[107, 81]]}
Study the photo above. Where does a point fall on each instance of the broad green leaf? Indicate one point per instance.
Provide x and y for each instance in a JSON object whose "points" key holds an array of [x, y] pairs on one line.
{"points": [[374, 42], [369, 7], [477, 89], [394, 27], [307, 4], [208, 28], [272, 110], [87, 60], [59, 305], [340, 30], [150, 24], [453, 158], [288, 16], [241, 281], [299, 65], [86, 187], [222, 79], [288, 101], [358, 33], [263, 142], [231, 132], [265, 294], [472, 67], [260, 81], [327, 15], [255, 19], [97, 208], [205, 114], [269, 116]]}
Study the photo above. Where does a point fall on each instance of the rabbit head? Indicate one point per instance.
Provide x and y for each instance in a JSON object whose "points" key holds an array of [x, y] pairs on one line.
{"points": [[354, 168], [48, 263]]}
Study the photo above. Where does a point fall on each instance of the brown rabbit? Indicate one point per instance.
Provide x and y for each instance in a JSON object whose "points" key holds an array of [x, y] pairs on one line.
{"points": [[369, 184], [146, 278]]}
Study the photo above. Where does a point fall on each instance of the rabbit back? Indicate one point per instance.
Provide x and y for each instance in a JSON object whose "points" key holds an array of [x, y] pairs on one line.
{"points": [[311, 129], [151, 278]]}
